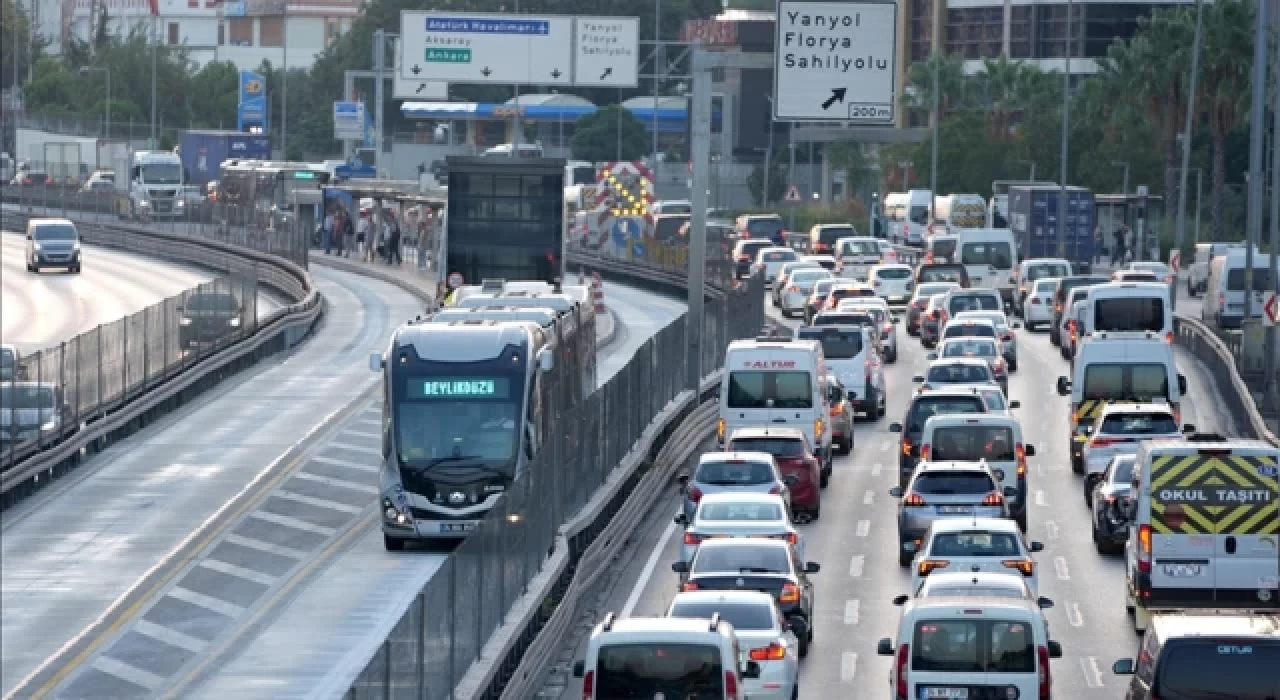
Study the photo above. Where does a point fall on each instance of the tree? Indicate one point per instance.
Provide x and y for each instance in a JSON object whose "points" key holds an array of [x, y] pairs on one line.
{"points": [[15, 41], [610, 133], [1226, 62], [777, 180]]}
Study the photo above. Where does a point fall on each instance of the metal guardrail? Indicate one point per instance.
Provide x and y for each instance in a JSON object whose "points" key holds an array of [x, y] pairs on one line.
{"points": [[120, 376]]}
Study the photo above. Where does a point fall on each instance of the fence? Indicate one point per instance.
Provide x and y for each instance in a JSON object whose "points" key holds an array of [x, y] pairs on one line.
{"points": [[444, 629], [260, 228], [61, 388]]}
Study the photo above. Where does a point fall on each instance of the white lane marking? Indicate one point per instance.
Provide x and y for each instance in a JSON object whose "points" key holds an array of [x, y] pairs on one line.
{"points": [[647, 572], [340, 483], [173, 638], [1051, 529], [209, 603], [372, 434], [1040, 498], [864, 528], [1092, 674], [294, 523], [356, 448], [267, 547], [316, 502], [875, 469], [370, 468], [848, 666], [128, 672], [238, 571], [851, 612], [868, 497], [1074, 616], [371, 421], [856, 565], [1060, 565]]}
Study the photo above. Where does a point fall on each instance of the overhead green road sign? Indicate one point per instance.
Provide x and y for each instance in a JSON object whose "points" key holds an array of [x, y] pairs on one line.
{"points": [[448, 55]]}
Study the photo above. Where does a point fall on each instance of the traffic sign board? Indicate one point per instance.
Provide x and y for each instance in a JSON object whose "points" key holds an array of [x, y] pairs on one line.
{"points": [[606, 51], [455, 280], [835, 61], [348, 121], [479, 47], [1271, 309], [419, 88], [793, 194]]}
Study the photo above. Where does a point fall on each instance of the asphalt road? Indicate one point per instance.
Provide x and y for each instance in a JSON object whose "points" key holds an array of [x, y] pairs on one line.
{"points": [[855, 542]]}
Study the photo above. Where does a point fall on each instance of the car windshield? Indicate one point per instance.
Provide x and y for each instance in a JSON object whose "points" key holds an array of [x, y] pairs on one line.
{"points": [[969, 347], [893, 273], [838, 318], [734, 473], [744, 557], [1129, 314], [974, 591], [752, 512], [943, 247], [953, 482], [764, 228], [1123, 381], [956, 373], [941, 273], [1046, 286], [860, 248], [926, 291], [743, 616], [836, 344], [970, 443], [1047, 270], [161, 173], [643, 671], [961, 330], [995, 400], [1261, 279], [778, 447], [975, 544], [752, 247], [973, 646], [766, 389], [998, 255], [1122, 469], [806, 277], [777, 256], [1138, 424], [20, 396], [1240, 669], [926, 407], [53, 232], [210, 302], [831, 234], [974, 302], [852, 293], [823, 287]]}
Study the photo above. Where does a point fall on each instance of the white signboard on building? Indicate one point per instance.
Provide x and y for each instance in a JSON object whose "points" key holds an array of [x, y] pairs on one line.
{"points": [[835, 62], [348, 121], [420, 88], [606, 51], [478, 47]]}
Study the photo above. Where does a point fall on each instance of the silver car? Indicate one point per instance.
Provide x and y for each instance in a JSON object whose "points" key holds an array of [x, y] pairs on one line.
{"points": [[982, 348], [953, 371], [763, 634], [784, 273], [721, 472], [886, 322], [993, 396], [53, 243], [721, 515], [798, 286], [939, 490], [1119, 430], [920, 299], [1004, 330]]}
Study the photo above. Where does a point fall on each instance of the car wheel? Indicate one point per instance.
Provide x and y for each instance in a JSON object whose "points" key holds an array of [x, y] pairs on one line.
{"points": [[795, 692], [824, 478], [893, 356], [1053, 337], [816, 512], [75, 270], [393, 544], [1077, 464]]}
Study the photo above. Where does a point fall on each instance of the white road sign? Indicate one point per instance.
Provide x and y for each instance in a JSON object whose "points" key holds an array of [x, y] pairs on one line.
{"points": [[835, 61], [487, 48], [607, 51], [348, 121], [420, 88]]}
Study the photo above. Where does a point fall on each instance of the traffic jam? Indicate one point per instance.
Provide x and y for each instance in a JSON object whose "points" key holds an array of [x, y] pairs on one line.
{"points": [[963, 475]]}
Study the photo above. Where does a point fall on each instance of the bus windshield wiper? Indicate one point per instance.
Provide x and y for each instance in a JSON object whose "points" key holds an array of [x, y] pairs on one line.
{"points": [[446, 463], [437, 461]]}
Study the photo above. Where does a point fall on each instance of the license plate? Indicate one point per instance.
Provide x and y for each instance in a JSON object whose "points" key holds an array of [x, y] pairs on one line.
{"points": [[944, 693], [897, 297], [952, 510], [457, 527], [1181, 570]]}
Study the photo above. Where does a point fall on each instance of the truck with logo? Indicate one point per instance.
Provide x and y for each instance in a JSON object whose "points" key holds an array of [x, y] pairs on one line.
{"points": [[203, 152], [149, 184]]}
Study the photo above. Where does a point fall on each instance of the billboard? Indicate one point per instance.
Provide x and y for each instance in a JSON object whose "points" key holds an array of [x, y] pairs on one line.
{"points": [[252, 113]]}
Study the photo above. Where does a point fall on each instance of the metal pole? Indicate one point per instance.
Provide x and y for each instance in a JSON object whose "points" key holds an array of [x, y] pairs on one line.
{"points": [[1269, 374], [768, 158], [933, 146], [1180, 227], [284, 84], [515, 111], [700, 152], [108, 71], [791, 175], [1253, 227], [14, 53], [1066, 120], [658, 67], [155, 53], [379, 58], [1199, 181], [1124, 187]]}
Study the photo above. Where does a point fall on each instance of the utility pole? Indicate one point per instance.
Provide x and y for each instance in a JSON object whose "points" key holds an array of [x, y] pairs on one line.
{"points": [[1124, 187], [933, 146], [659, 67], [1066, 121], [379, 59], [155, 54], [284, 83], [906, 174], [1271, 388], [1253, 226], [1180, 228]]}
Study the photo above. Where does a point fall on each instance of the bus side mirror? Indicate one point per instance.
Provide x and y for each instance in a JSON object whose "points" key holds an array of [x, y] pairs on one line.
{"points": [[1064, 386], [375, 359]]}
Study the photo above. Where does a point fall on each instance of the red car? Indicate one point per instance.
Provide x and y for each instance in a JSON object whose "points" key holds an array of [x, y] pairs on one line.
{"points": [[800, 468]]}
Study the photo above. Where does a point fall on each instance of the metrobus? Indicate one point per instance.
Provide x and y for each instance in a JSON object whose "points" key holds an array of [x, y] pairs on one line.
{"points": [[267, 192]]}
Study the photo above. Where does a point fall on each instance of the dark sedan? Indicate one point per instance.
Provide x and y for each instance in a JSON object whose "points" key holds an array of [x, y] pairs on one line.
{"points": [[1110, 526]]}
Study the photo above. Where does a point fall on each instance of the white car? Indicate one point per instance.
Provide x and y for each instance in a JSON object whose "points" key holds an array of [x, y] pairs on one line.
{"points": [[1037, 309], [784, 272], [798, 286], [981, 584], [893, 282], [993, 545], [738, 514], [1162, 271], [885, 321], [1119, 430], [764, 637], [771, 260], [1004, 330]]}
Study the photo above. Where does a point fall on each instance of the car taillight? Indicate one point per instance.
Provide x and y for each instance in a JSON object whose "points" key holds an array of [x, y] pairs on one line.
{"points": [[695, 494], [1071, 325], [692, 539], [720, 428], [925, 450], [936, 314], [775, 490], [999, 365], [1101, 441], [929, 565], [1168, 337], [993, 499], [906, 447], [792, 538], [888, 327], [1057, 308], [1222, 300], [773, 652], [792, 289], [914, 500], [818, 427], [1035, 301], [689, 586], [1026, 566], [588, 685], [1045, 682], [731, 685], [835, 410], [1021, 453], [900, 671], [1144, 549], [790, 593]]}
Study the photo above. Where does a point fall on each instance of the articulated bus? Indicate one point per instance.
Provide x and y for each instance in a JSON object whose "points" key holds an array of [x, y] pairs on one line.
{"points": [[266, 192]]}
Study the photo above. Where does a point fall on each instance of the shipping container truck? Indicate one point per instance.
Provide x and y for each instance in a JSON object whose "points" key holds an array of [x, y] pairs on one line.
{"points": [[1033, 218], [203, 152]]}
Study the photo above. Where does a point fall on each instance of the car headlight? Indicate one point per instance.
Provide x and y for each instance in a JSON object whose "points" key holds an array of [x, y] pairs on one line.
{"points": [[392, 514], [234, 323], [49, 425], [36, 247], [184, 322]]}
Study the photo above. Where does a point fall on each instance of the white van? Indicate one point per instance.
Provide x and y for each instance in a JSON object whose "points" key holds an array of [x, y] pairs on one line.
{"points": [[895, 213], [1224, 293], [910, 220], [1198, 270], [969, 647], [774, 381], [989, 256], [957, 211], [1128, 307]]}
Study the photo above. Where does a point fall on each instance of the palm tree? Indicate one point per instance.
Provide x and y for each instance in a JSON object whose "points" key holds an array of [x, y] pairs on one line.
{"points": [[1226, 61], [955, 88]]}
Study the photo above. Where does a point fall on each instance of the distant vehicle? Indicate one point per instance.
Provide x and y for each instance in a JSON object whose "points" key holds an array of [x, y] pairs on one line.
{"points": [[30, 410], [148, 184], [53, 243], [206, 317], [1033, 219], [31, 178]]}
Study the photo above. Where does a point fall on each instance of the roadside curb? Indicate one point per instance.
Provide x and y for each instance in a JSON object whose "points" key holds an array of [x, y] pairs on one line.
{"points": [[405, 282]]}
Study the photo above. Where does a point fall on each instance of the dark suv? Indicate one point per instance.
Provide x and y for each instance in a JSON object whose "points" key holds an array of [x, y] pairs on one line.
{"points": [[206, 317], [924, 405], [1206, 654]]}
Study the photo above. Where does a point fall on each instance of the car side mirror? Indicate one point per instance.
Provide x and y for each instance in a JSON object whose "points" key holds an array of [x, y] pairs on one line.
{"points": [[884, 647], [1055, 650], [900, 599], [1036, 547], [681, 519], [917, 379], [1064, 386], [751, 670], [1030, 450], [1188, 428], [1182, 385], [680, 567], [812, 567], [579, 669], [895, 427], [1010, 492], [1015, 404], [896, 492], [931, 356], [682, 479], [1122, 667], [375, 359], [1044, 603]]}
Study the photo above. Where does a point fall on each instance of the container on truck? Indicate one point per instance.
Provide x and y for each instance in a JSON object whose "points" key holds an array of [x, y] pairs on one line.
{"points": [[203, 152], [998, 207], [1033, 218]]}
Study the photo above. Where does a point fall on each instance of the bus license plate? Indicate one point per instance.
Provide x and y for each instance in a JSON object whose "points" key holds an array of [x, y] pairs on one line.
{"points": [[944, 693], [457, 527]]}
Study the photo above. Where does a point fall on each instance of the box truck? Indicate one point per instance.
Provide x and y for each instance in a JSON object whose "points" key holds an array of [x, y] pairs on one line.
{"points": [[1033, 218], [203, 152]]}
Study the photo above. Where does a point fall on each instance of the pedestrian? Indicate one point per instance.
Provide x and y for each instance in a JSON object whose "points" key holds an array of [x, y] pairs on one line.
{"points": [[348, 235], [362, 233], [1117, 251], [328, 230], [393, 243]]}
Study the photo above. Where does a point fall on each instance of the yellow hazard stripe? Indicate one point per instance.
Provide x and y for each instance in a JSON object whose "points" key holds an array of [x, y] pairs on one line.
{"points": [[1215, 471]]}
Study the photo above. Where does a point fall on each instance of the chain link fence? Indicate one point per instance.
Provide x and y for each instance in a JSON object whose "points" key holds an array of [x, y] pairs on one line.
{"points": [[51, 393], [449, 622]]}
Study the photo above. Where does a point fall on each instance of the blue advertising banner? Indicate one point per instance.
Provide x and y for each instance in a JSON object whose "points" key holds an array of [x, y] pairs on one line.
{"points": [[252, 109]]}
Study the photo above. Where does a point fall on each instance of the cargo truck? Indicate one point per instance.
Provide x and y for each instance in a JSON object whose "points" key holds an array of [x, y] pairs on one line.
{"points": [[203, 152], [1033, 218], [149, 183]]}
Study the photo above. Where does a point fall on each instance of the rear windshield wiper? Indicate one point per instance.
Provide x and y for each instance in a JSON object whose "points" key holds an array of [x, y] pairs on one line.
{"points": [[757, 570]]}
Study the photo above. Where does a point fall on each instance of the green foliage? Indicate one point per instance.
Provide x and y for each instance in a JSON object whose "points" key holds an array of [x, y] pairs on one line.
{"points": [[15, 38], [610, 133], [777, 181]]}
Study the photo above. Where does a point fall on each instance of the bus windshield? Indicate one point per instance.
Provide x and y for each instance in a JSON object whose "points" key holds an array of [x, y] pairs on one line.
{"points": [[452, 420]]}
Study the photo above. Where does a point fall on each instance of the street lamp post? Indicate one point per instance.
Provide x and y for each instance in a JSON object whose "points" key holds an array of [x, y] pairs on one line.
{"points": [[1124, 186], [85, 70], [933, 147], [1066, 120], [906, 174], [1180, 225], [768, 154]]}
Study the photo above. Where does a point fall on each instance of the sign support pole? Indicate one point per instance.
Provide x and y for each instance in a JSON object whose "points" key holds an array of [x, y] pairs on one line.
{"points": [[379, 59], [1272, 388]]}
